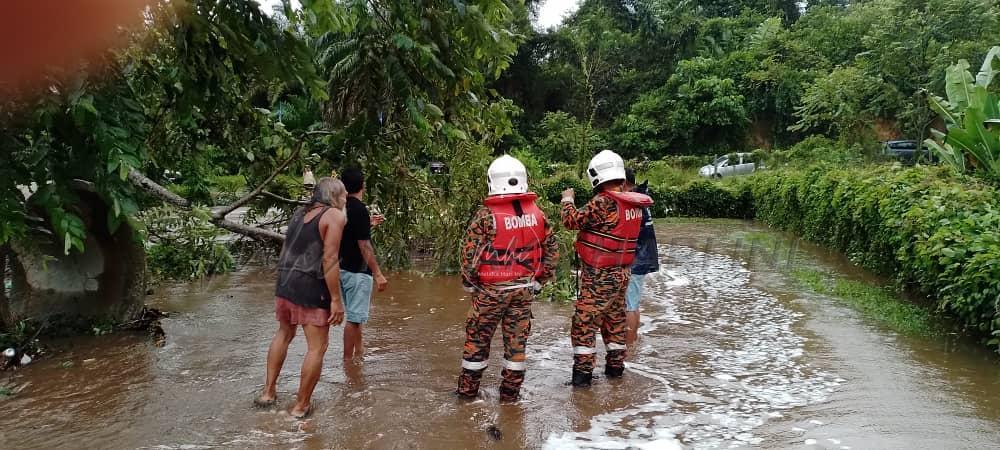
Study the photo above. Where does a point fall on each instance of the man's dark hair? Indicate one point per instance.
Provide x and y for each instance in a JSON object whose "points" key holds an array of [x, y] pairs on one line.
{"points": [[354, 180], [630, 175]]}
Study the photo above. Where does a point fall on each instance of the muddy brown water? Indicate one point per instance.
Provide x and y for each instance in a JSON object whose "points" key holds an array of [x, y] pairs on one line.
{"points": [[733, 355]]}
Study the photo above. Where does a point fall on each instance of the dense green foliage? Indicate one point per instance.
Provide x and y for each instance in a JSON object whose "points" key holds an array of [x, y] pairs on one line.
{"points": [[663, 77], [930, 230], [188, 95], [972, 116], [184, 245], [215, 97]]}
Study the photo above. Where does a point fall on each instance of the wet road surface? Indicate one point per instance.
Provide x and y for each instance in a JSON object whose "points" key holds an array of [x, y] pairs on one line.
{"points": [[733, 354]]}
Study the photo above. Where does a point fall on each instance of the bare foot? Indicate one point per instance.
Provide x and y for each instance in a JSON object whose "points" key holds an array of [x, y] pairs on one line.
{"points": [[300, 412], [359, 356], [265, 400]]}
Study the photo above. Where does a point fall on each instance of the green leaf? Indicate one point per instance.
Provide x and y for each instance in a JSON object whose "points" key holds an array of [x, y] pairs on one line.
{"points": [[944, 109], [416, 116], [991, 106], [87, 103], [958, 85], [948, 154], [113, 164], [114, 221], [987, 72], [403, 41], [983, 144], [434, 110], [84, 111]]}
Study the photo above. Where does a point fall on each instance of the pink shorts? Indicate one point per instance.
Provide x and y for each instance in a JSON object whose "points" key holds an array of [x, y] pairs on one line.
{"points": [[286, 311]]}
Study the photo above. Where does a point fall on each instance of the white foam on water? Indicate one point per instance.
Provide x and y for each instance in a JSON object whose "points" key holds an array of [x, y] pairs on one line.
{"points": [[748, 368]]}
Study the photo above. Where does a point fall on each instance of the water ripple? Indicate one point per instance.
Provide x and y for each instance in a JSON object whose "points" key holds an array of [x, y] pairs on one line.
{"points": [[723, 354]]}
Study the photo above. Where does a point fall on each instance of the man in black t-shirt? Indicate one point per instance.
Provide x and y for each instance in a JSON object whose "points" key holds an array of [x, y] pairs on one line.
{"points": [[358, 266]]}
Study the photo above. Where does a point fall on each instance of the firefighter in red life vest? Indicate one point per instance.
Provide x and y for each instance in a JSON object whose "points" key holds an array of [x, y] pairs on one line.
{"points": [[608, 231], [509, 250]]}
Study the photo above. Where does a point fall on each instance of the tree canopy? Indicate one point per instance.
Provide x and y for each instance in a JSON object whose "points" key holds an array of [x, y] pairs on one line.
{"points": [[660, 77], [209, 90]]}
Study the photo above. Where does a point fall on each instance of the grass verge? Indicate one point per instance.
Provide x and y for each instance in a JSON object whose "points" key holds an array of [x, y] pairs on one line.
{"points": [[686, 220], [874, 302]]}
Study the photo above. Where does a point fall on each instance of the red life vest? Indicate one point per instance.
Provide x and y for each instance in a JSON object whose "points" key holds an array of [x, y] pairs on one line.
{"points": [[617, 247], [516, 251]]}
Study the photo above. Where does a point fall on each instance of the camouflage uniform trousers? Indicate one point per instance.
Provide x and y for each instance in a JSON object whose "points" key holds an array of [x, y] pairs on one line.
{"points": [[601, 305], [511, 310]]}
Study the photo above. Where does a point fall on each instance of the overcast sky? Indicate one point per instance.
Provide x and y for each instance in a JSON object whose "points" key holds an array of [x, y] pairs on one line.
{"points": [[550, 14]]}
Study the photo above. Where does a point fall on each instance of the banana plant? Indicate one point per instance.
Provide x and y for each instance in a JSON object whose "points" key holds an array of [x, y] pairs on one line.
{"points": [[969, 145]]}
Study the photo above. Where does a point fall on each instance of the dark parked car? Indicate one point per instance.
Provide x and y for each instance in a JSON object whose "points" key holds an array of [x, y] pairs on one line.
{"points": [[906, 151], [438, 168]]}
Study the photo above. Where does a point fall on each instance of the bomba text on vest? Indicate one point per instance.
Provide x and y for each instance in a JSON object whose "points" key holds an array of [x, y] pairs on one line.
{"points": [[515, 222]]}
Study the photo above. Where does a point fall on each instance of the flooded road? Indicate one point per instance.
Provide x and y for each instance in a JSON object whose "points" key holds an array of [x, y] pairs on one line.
{"points": [[733, 354]]}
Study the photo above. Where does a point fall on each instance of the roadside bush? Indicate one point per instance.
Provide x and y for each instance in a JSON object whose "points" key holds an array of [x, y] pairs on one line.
{"points": [[662, 173], [289, 186], [932, 231], [227, 188], [814, 150], [703, 198], [687, 161], [538, 168], [551, 188], [178, 189]]}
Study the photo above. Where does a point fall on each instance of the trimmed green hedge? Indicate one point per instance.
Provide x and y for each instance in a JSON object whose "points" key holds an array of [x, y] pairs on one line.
{"points": [[703, 198], [925, 226]]}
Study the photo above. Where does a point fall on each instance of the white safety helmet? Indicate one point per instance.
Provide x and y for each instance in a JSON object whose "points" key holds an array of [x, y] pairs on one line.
{"points": [[605, 166], [507, 175]]}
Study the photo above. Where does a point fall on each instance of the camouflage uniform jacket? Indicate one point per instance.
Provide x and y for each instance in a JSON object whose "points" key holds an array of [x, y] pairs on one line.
{"points": [[599, 214], [480, 235]]}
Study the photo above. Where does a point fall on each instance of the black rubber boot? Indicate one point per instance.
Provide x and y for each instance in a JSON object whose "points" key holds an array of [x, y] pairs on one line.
{"points": [[614, 372], [581, 379]]}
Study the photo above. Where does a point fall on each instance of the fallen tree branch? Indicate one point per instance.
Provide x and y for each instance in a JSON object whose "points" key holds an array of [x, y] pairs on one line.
{"points": [[152, 187], [247, 230], [222, 213], [283, 199]]}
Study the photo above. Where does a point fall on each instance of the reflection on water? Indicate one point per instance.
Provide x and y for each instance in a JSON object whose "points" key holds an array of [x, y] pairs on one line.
{"points": [[732, 354], [710, 395]]}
